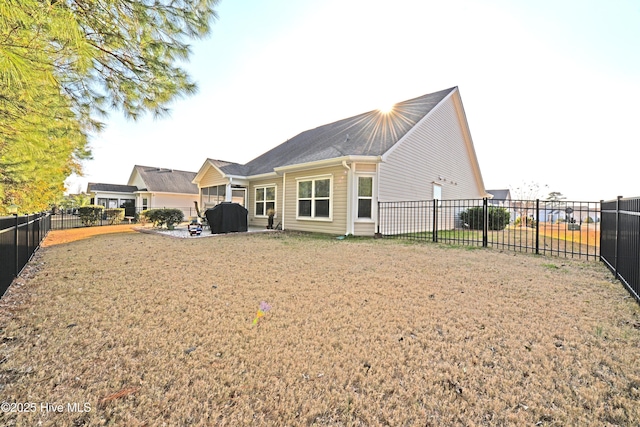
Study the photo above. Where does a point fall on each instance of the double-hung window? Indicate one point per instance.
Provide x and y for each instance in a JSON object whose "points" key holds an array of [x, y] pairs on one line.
{"points": [[314, 198], [265, 199], [365, 196]]}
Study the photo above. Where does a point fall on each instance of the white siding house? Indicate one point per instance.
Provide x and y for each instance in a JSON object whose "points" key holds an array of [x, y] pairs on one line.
{"points": [[149, 187]]}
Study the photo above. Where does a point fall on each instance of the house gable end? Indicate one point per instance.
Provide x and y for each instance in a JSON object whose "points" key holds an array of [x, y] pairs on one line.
{"points": [[368, 134], [163, 180], [437, 152]]}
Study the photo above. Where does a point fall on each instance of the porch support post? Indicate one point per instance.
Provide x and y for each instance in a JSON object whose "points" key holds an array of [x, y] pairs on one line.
{"points": [[228, 195]]}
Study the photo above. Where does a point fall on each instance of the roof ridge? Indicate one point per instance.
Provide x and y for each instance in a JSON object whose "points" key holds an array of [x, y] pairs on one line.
{"points": [[161, 168]]}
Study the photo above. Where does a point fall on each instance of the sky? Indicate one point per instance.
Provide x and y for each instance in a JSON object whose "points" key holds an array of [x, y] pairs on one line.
{"points": [[550, 88]]}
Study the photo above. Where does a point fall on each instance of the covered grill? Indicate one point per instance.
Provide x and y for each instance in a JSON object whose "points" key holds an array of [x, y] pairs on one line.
{"points": [[227, 217]]}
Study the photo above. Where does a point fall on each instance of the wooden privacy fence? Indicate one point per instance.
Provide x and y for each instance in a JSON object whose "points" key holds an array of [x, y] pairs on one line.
{"points": [[20, 237]]}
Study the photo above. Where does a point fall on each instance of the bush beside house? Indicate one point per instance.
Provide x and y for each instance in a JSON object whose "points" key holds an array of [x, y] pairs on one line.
{"points": [[498, 218], [160, 217], [90, 215], [114, 215]]}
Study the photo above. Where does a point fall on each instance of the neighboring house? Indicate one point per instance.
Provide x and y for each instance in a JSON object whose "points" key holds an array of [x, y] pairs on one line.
{"points": [[500, 197], [331, 178], [113, 196], [148, 188]]}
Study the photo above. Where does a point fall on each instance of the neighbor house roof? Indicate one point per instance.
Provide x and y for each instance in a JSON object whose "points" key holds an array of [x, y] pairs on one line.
{"points": [[500, 194], [113, 188], [368, 134], [164, 180]]}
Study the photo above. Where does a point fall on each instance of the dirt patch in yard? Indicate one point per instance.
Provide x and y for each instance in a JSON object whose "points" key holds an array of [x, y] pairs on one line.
{"points": [[58, 237], [144, 330]]}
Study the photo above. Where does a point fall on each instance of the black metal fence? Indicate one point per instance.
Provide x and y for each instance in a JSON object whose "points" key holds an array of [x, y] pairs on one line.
{"points": [[620, 241], [20, 237], [547, 227], [65, 219]]}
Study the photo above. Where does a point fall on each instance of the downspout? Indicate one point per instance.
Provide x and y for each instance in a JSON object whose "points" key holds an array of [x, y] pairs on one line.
{"points": [[376, 226], [350, 228], [284, 195]]}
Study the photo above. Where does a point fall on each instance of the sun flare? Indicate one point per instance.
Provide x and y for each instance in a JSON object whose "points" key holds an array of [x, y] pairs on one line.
{"points": [[386, 109]]}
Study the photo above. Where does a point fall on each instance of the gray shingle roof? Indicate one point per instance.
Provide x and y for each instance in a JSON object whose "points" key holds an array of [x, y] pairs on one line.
{"points": [[115, 188], [229, 167], [368, 134], [500, 194], [167, 180]]}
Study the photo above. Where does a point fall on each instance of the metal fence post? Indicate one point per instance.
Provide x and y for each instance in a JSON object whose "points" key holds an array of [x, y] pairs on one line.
{"points": [[434, 235], [601, 231], [28, 237], [537, 226], [15, 243], [617, 248], [378, 217], [485, 222]]}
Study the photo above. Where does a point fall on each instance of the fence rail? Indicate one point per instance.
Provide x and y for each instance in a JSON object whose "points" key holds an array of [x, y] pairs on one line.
{"points": [[20, 237], [620, 241], [561, 228], [65, 219]]}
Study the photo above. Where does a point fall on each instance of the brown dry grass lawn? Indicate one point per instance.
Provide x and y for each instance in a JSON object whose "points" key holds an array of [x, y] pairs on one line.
{"points": [[148, 330]]}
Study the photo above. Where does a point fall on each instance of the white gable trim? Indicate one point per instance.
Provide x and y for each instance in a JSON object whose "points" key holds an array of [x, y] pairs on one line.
{"points": [[134, 172], [462, 117], [204, 169]]}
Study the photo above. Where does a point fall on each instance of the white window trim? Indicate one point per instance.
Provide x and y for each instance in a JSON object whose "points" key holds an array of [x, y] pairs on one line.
{"points": [[359, 175], [255, 200], [313, 186]]}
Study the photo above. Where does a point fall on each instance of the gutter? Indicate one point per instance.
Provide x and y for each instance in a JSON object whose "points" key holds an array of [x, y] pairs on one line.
{"points": [[327, 162]]}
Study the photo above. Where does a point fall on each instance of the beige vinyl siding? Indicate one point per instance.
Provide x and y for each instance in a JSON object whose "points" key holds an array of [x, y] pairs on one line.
{"points": [[259, 221], [433, 152], [364, 229], [338, 223], [366, 167], [211, 178]]}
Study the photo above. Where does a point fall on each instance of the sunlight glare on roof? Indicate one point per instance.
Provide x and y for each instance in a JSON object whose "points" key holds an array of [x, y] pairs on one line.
{"points": [[386, 108]]}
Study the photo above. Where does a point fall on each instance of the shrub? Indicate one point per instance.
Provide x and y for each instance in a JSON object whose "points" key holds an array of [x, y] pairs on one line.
{"points": [[90, 215], [114, 215], [530, 222], [160, 217], [498, 218], [141, 217]]}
